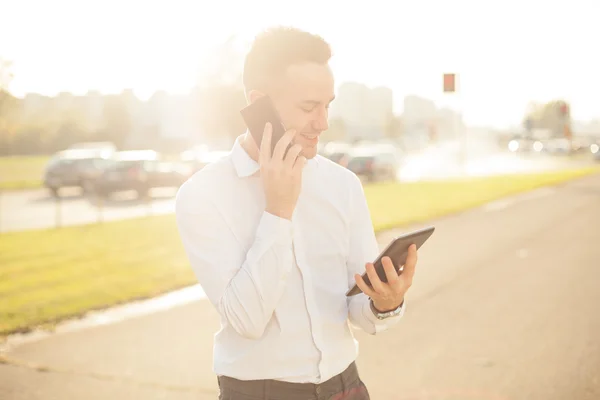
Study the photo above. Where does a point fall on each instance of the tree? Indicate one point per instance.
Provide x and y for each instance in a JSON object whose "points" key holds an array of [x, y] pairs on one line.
{"points": [[7, 102], [554, 115], [117, 120], [71, 129], [393, 127], [6, 77]]}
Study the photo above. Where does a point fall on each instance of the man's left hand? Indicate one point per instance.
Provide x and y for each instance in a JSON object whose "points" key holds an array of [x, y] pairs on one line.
{"points": [[388, 296]]}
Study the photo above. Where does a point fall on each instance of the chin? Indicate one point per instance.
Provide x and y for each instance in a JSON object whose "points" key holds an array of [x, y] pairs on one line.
{"points": [[309, 152]]}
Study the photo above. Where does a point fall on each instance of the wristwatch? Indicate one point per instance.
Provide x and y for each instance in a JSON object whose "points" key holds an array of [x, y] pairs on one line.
{"points": [[388, 314]]}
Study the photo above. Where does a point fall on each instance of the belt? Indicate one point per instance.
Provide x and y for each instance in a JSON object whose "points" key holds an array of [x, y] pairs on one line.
{"points": [[269, 388]]}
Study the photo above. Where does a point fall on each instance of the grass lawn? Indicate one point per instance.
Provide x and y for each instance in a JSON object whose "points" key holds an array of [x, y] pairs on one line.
{"points": [[21, 172], [394, 205], [49, 275]]}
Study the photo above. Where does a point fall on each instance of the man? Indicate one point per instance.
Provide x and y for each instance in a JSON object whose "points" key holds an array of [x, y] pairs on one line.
{"points": [[276, 242]]}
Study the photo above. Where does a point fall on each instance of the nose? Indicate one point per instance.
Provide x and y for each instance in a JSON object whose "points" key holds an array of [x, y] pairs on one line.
{"points": [[321, 121]]}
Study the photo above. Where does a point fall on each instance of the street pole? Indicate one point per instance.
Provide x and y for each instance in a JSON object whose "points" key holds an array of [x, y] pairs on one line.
{"points": [[57, 212], [462, 132], [450, 88], [99, 207]]}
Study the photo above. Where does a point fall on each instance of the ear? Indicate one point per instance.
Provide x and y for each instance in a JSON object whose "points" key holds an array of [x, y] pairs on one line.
{"points": [[254, 95]]}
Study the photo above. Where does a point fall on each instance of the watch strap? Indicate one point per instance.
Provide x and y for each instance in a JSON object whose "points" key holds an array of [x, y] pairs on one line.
{"points": [[387, 314]]}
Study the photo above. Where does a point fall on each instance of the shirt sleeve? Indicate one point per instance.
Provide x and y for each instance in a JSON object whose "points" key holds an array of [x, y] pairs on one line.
{"points": [[363, 249], [244, 289]]}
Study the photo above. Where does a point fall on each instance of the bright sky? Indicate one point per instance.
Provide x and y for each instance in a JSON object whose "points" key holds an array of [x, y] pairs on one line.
{"points": [[507, 53]]}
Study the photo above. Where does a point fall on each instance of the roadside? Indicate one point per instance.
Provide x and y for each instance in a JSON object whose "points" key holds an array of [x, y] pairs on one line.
{"points": [[22, 172], [503, 306], [75, 270]]}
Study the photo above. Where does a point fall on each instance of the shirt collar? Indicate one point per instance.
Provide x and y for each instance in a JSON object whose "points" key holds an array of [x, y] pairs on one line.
{"points": [[244, 164]]}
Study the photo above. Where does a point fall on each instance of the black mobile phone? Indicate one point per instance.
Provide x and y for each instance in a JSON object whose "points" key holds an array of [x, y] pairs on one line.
{"points": [[257, 114], [397, 251]]}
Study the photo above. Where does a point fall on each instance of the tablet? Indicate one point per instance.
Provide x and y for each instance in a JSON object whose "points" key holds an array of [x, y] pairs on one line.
{"points": [[397, 251]]}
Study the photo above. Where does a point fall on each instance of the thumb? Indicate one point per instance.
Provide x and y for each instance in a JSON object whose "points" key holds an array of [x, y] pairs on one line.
{"points": [[411, 262], [300, 162]]}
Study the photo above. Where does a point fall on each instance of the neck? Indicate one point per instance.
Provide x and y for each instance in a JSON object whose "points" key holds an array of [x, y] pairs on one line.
{"points": [[247, 143]]}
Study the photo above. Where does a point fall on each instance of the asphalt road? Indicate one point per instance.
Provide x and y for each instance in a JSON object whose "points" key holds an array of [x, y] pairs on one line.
{"points": [[504, 306], [36, 209]]}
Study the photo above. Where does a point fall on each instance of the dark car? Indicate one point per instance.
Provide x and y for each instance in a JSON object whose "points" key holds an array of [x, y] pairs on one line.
{"points": [[373, 166], [339, 158], [525, 145], [595, 150], [140, 171], [74, 168], [336, 151]]}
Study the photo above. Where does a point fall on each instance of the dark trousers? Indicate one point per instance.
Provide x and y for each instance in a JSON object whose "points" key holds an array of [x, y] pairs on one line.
{"points": [[344, 386]]}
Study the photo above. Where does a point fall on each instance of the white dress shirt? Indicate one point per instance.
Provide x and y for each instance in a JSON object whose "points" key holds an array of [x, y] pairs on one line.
{"points": [[279, 285]]}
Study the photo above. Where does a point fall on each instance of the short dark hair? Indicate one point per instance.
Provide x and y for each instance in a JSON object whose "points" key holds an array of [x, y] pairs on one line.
{"points": [[274, 50]]}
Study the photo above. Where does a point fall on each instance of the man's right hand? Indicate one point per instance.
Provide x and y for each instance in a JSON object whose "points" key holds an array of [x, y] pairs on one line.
{"points": [[281, 173]]}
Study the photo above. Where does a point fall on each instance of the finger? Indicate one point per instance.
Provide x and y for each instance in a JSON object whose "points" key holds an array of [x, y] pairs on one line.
{"points": [[411, 264], [390, 271], [283, 144], [374, 278], [265, 143], [292, 155], [299, 164], [363, 286]]}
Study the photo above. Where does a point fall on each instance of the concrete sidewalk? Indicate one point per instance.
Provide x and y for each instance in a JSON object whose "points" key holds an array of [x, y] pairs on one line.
{"points": [[504, 306]]}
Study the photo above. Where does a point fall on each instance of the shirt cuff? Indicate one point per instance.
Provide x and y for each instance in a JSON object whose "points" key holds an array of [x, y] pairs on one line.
{"points": [[381, 324], [272, 226]]}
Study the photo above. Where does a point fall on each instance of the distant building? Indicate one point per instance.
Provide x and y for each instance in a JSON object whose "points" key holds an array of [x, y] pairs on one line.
{"points": [[421, 117], [418, 112], [449, 123], [364, 111]]}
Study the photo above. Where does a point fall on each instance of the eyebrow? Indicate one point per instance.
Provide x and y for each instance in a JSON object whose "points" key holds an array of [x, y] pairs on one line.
{"points": [[315, 102]]}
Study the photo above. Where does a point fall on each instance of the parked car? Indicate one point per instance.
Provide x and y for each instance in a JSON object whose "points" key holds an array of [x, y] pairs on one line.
{"points": [[74, 168], [373, 165], [94, 146], [339, 158], [335, 151], [141, 171], [525, 145], [595, 150]]}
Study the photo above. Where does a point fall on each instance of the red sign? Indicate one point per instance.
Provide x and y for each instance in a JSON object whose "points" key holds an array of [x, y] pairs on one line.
{"points": [[564, 108], [449, 83]]}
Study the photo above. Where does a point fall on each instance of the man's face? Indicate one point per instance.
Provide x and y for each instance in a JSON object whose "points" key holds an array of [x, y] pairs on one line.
{"points": [[302, 97]]}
